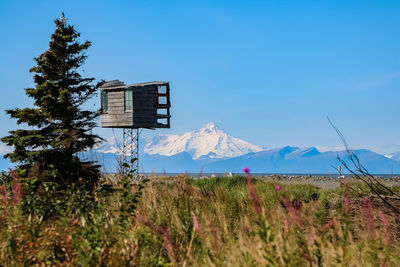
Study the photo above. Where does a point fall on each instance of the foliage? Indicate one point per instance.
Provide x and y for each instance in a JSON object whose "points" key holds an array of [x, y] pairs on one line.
{"points": [[206, 222], [58, 126]]}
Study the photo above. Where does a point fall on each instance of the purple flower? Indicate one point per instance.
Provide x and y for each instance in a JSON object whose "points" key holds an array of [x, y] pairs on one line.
{"points": [[277, 188], [246, 170]]}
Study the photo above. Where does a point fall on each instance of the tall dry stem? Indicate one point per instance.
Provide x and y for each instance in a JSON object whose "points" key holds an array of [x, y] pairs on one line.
{"points": [[198, 227], [4, 199], [163, 232], [251, 190], [385, 225], [214, 234], [369, 215], [346, 200]]}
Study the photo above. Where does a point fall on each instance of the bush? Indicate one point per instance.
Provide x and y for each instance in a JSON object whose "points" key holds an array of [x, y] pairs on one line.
{"points": [[180, 221]]}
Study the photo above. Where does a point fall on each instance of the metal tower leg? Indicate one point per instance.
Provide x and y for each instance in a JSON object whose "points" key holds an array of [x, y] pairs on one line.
{"points": [[130, 148]]}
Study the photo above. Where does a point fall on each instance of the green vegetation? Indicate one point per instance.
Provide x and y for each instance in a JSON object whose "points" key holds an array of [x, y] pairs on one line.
{"points": [[55, 211], [58, 128], [202, 222]]}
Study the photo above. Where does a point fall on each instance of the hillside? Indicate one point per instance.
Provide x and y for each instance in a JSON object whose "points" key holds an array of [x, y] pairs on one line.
{"points": [[212, 150]]}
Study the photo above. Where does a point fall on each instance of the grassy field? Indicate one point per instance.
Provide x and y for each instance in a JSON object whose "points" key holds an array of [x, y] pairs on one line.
{"points": [[197, 222]]}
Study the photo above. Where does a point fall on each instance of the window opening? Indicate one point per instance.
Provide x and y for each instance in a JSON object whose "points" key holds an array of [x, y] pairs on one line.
{"points": [[128, 100], [162, 111], [162, 100], [104, 101], [163, 121], [162, 89]]}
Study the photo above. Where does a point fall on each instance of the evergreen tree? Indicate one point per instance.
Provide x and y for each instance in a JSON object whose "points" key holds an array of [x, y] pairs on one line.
{"points": [[59, 127]]}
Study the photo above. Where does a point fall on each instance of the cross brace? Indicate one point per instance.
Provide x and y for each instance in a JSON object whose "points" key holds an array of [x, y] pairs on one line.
{"points": [[130, 148]]}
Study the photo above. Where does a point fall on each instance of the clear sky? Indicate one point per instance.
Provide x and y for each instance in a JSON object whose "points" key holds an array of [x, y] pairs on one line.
{"points": [[268, 72]]}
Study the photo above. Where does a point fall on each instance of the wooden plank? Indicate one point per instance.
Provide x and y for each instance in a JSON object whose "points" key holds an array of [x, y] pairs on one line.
{"points": [[115, 113], [163, 106], [144, 122], [144, 109], [159, 116], [116, 100], [144, 125], [113, 97], [116, 95], [145, 103], [136, 101], [117, 121], [116, 106], [144, 99], [122, 92], [144, 115], [143, 118], [116, 109], [118, 115]]}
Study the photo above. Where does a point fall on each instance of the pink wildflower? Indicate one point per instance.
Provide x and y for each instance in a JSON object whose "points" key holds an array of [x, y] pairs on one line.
{"points": [[369, 215], [294, 212], [17, 193], [17, 188], [251, 190], [4, 198], [385, 225], [214, 234], [197, 226], [327, 225], [13, 174], [277, 188]]}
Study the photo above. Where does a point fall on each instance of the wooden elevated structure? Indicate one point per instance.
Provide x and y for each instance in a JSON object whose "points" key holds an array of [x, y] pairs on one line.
{"points": [[140, 105], [134, 106]]}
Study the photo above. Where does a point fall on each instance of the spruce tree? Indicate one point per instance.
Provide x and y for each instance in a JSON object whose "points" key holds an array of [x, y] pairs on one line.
{"points": [[59, 128]]}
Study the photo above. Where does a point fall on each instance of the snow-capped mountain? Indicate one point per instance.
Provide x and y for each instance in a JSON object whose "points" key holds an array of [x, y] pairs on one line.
{"points": [[210, 142], [111, 145], [210, 149], [394, 156]]}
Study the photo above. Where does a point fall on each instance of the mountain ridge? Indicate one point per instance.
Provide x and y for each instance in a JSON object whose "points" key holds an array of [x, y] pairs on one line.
{"points": [[209, 140], [210, 149]]}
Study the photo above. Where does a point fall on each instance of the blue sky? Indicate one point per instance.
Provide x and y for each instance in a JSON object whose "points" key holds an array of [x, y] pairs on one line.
{"points": [[268, 72]]}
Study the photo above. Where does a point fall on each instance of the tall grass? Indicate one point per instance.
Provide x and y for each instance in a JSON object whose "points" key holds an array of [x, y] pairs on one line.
{"points": [[202, 222]]}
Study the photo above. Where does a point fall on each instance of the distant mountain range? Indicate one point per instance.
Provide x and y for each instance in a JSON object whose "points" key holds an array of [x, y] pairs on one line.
{"points": [[211, 150]]}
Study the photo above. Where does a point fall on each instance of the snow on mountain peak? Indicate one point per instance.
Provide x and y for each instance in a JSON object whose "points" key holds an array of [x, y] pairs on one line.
{"points": [[394, 156], [209, 140], [210, 126]]}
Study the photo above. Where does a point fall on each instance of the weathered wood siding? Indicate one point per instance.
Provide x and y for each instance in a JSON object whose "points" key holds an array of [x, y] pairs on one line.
{"points": [[116, 117], [145, 105]]}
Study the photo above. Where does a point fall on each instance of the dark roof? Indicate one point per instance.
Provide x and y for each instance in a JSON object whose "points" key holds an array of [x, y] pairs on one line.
{"points": [[146, 83], [113, 83], [116, 84]]}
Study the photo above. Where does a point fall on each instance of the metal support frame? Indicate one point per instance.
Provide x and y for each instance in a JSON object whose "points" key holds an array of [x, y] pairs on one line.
{"points": [[130, 148]]}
